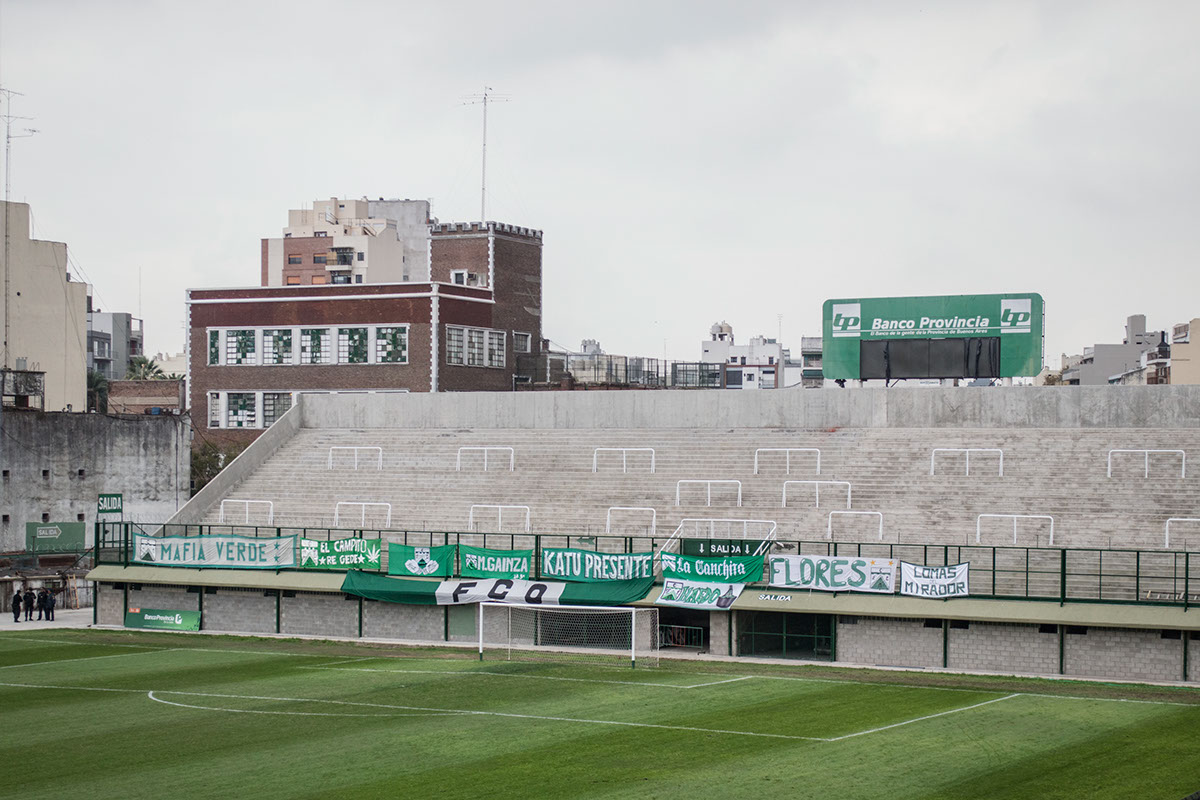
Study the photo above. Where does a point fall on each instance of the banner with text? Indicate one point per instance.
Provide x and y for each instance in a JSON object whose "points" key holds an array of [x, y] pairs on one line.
{"points": [[735, 569], [494, 590], [421, 561], [585, 565], [713, 548], [240, 552], [162, 619], [936, 583], [480, 562], [698, 594], [340, 554], [834, 573], [55, 537]]}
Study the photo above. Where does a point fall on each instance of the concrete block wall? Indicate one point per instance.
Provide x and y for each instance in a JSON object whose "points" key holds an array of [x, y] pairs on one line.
{"points": [[1123, 654], [318, 614], [718, 632], [168, 598], [412, 623], [238, 611], [110, 608], [888, 642], [1003, 647], [1193, 656]]}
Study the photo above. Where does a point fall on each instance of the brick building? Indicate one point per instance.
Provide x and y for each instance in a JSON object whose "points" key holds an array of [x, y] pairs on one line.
{"points": [[475, 325]]}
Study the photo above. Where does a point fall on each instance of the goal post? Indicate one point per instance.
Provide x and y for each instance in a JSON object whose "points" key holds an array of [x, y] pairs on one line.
{"points": [[604, 635]]}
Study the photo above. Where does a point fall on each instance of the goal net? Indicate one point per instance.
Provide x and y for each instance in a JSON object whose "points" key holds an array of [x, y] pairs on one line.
{"points": [[573, 634]]}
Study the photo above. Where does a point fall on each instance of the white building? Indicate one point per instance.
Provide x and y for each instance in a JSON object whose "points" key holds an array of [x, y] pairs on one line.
{"points": [[757, 365]]}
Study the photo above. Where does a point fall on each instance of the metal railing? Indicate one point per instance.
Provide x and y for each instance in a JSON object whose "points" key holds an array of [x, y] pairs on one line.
{"points": [[764, 547], [1014, 518], [968, 451], [248, 503], [1146, 453], [817, 488], [378, 450], [832, 514], [787, 454], [709, 485], [680, 636], [500, 509], [1080, 575], [624, 451], [362, 504], [1167, 531], [485, 449], [653, 517]]}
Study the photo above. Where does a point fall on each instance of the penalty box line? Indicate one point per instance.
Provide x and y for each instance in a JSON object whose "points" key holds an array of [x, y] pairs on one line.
{"points": [[336, 667]]}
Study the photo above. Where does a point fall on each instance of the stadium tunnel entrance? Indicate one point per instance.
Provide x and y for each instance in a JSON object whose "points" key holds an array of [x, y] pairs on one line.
{"points": [[683, 628], [779, 634]]}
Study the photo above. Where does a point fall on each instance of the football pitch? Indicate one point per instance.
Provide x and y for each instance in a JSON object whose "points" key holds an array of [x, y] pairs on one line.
{"points": [[111, 714]]}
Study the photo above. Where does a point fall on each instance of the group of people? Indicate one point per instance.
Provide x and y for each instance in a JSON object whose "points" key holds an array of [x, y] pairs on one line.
{"points": [[44, 601]]}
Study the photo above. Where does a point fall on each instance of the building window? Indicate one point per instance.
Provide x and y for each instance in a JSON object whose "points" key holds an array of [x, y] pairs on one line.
{"points": [[391, 345], [341, 278], [522, 342], [214, 348], [277, 346], [293, 280], [214, 409], [361, 255], [358, 278], [319, 258], [239, 411], [315, 346], [459, 276], [495, 348], [454, 345], [318, 279], [275, 405], [295, 259], [352, 346], [474, 348], [239, 347], [321, 234]]}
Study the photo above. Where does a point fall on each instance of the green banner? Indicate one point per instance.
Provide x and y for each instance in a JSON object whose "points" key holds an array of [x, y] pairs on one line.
{"points": [[736, 569], [480, 562], [54, 537], [1016, 319], [162, 619], [585, 565], [419, 561], [373, 586], [240, 552], [340, 554]]}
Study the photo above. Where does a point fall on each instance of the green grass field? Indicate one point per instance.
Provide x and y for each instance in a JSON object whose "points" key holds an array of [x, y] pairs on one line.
{"points": [[107, 714]]}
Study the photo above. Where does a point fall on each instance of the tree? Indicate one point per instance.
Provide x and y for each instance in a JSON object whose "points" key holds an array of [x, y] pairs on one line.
{"points": [[143, 369], [97, 392], [208, 460]]}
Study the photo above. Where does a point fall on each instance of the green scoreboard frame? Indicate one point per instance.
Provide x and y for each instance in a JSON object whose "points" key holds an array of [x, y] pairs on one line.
{"points": [[1016, 320]]}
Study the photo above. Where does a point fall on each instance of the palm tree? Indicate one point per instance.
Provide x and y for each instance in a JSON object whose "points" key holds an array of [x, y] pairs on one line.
{"points": [[143, 369], [97, 392]]}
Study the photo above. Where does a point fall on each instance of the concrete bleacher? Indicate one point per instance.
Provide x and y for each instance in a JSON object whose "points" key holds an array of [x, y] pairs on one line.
{"points": [[1059, 472]]}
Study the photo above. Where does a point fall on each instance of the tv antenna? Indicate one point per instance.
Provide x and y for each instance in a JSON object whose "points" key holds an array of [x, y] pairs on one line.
{"points": [[9, 118], [488, 95]]}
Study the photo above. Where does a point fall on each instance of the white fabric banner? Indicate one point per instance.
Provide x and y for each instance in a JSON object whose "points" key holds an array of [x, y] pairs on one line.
{"points": [[498, 590], [699, 594], [834, 573], [242, 552], [934, 582]]}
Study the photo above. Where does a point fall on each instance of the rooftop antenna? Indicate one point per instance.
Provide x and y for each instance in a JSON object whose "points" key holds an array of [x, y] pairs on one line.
{"points": [[488, 95], [8, 118]]}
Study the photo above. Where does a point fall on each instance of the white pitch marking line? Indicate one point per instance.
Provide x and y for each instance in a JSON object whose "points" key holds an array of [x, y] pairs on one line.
{"points": [[919, 719], [85, 658], [466, 674], [283, 713], [87, 644], [346, 661]]}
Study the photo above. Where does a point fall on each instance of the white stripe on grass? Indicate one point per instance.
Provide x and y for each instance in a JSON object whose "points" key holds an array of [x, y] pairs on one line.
{"points": [[920, 719], [85, 658], [288, 713], [472, 673]]}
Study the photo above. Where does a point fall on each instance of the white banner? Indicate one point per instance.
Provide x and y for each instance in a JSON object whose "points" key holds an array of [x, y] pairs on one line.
{"points": [[242, 552], [834, 573], [699, 594], [498, 590], [934, 582]]}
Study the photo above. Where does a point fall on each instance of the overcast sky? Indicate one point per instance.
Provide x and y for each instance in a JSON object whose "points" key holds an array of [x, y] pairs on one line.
{"points": [[688, 162]]}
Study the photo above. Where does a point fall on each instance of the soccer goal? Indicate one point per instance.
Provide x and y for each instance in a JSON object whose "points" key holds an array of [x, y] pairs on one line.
{"points": [[570, 634]]}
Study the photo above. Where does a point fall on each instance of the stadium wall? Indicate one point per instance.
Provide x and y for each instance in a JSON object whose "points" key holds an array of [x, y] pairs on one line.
{"points": [[983, 646], [897, 407]]}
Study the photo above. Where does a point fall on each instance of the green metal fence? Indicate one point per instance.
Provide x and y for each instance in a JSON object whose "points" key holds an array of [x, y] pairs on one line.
{"points": [[1160, 577]]}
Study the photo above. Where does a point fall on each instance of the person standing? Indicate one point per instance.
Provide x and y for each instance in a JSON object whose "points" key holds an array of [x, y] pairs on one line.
{"points": [[17, 605], [41, 603], [27, 601], [50, 603]]}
